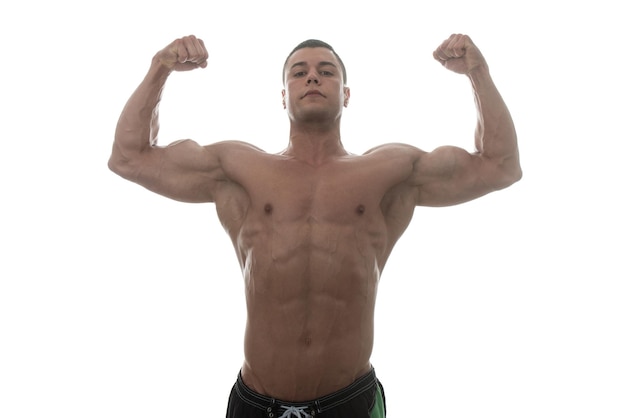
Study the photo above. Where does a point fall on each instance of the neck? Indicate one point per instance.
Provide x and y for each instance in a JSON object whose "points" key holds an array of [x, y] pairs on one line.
{"points": [[314, 144]]}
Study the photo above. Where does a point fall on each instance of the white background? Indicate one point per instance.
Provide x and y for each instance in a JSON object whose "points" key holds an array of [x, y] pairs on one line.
{"points": [[115, 302]]}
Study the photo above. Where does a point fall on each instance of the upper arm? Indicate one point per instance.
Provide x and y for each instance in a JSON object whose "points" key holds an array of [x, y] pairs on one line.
{"points": [[451, 175], [183, 170]]}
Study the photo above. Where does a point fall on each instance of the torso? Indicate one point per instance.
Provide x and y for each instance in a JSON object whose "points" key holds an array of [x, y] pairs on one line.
{"points": [[312, 242]]}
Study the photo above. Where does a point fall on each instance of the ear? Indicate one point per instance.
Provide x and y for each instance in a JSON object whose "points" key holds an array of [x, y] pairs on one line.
{"points": [[284, 104], [346, 96]]}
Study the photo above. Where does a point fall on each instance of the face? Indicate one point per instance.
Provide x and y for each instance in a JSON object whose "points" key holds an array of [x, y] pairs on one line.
{"points": [[314, 86]]}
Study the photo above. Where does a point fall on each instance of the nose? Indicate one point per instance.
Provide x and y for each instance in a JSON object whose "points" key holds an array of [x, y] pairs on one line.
{"points": [[312, 78]]}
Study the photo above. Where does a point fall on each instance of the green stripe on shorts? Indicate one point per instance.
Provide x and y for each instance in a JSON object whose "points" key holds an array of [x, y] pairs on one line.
{"points": [[379, 405]]}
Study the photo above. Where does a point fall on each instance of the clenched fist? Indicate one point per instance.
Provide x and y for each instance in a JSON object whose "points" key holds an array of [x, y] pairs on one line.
{"points": [[184, 54], [459, 54]]}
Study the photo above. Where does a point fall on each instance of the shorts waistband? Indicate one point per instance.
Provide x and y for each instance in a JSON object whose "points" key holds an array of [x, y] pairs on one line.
{"points": [[275, 406]]}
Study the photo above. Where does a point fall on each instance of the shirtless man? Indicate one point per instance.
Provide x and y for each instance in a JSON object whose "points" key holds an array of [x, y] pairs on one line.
{"points": [[313, 225]]}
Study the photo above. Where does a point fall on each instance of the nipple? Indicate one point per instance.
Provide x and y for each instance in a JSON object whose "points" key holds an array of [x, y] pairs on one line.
{"points": [[360, 209], [268, 208]]}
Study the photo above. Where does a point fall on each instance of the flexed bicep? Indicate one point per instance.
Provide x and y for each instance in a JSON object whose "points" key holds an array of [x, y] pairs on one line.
{"points": [[184, 171], [450, 175]]}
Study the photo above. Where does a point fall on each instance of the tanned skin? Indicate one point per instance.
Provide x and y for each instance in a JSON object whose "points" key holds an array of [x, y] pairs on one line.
{"points": [[313, 225]]}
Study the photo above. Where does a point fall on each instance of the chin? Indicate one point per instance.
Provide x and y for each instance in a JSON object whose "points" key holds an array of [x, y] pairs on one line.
{"points": [[316, 115]]}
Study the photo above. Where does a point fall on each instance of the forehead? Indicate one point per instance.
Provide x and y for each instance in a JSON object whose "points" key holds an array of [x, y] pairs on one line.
{"points": [[312, 56]]}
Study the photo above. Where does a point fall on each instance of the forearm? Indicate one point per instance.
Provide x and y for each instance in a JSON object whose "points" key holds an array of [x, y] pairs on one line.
{"points": [[495, 138], [138, 125]]}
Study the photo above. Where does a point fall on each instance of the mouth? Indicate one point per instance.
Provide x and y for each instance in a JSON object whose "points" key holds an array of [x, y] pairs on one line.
{"points": [[313, 93]]}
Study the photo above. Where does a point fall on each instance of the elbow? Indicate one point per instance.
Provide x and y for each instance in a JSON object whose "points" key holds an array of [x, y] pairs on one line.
{"points": [[510, 174], [116, 159], [515, 169], [501, 173], [518, 174], [123, 162], [115, 163], [119, 165]]}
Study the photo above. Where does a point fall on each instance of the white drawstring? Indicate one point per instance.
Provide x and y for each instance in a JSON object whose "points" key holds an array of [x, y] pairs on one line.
{"points": [[295, 412]]}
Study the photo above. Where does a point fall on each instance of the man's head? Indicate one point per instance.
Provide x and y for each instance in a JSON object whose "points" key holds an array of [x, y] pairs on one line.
{"points": [[315, 43], [315, 83]]}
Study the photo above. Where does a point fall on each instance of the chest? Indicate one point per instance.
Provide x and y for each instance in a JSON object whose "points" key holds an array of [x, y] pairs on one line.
{"points": [[336, 194]]}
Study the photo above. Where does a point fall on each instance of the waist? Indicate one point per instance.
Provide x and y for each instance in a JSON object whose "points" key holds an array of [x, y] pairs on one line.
{"points": [[319, 405], [306, 364]]}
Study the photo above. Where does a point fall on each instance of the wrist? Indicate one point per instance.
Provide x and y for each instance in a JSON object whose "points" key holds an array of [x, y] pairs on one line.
{"points": [[160, 67], [479, 75], [156, 77]]}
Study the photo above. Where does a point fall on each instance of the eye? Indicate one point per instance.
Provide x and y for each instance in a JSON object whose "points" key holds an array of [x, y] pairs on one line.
{"points": [[326, 73], [299, 74]]}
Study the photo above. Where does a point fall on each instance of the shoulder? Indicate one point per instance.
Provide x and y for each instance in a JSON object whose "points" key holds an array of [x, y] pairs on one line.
{"points": [[395, 156], [235, 152], [395, 149], [234, 146], [241, 160], [391, 163]]}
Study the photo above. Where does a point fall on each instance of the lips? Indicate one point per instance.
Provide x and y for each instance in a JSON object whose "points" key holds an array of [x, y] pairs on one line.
{"points": [[313, 93]]}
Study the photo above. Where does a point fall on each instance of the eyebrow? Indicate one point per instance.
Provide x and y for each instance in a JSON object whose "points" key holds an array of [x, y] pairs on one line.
{"points": [[320, 64]]}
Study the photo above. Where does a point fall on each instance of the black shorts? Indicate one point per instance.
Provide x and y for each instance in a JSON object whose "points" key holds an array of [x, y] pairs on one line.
{"points": [[365, 398]]}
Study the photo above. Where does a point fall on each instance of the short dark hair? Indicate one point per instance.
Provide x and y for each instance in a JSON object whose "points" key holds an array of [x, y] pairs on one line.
{"points": [[316, 43]]}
